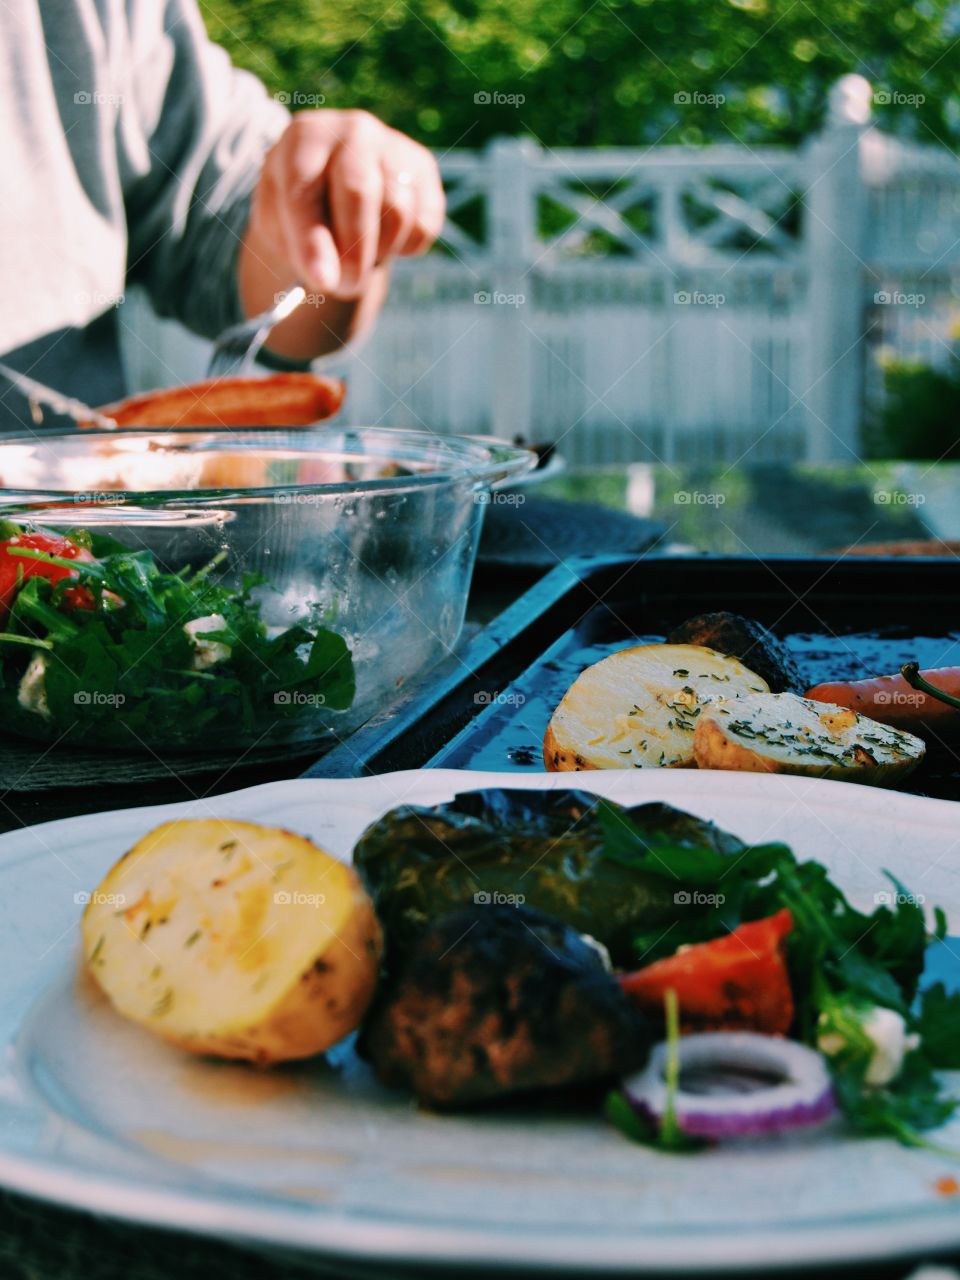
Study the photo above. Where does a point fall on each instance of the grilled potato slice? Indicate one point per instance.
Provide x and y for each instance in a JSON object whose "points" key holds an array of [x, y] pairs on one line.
{"points": [[234, 939], [639, 707], [784, 733]]}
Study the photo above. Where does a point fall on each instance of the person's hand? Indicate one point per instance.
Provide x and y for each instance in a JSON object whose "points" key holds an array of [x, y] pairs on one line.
{"points": [[339, 195]]}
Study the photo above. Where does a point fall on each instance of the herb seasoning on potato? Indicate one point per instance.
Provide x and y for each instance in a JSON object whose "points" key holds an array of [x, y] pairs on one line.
{"points": [[234, 939]]}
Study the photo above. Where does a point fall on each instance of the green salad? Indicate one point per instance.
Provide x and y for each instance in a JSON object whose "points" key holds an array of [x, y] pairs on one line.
{"points": [[99, 644]]}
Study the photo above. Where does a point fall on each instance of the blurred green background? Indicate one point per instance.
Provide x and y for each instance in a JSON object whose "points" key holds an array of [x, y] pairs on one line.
{"points": [[604, 72], [607, 72]]}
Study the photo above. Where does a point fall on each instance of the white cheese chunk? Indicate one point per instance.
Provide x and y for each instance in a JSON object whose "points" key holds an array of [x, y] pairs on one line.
{"points": [[32, 693], [887, 1031], [207, 653]]}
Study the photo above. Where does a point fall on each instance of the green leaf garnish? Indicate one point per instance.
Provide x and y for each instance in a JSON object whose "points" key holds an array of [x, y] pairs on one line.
{"points": [[837, 957], [123, 668]]}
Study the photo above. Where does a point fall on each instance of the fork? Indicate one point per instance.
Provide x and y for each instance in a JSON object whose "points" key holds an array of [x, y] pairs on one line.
{"points": [[236, 349]]}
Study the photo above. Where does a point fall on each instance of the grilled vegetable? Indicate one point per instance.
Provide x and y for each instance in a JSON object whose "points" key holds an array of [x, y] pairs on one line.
{"points": [[285, 399], [638, 708], [544, 848], [495, 1000], [916, 680], [234, 939], [746, 639], [735, 982], [782, 733], [893, 700]]}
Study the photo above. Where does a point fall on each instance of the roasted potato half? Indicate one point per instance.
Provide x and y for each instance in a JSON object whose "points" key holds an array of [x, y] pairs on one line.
{"points": [[784, 733], [639, 707], [234, 939]]}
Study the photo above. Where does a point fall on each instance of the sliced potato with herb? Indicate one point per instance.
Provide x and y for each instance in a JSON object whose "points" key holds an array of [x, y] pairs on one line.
{"points": [[234, 939], [784, 733], [639, 707]]}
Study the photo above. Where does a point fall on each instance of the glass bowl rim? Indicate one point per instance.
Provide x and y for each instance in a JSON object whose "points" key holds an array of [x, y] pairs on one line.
{"points": [[479, 459]]}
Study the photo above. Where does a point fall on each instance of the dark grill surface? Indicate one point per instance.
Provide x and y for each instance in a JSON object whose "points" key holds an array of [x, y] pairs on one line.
{"points": [[841, 619]]}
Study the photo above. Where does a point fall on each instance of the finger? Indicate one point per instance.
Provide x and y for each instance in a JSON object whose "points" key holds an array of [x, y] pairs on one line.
{"points": [[310, 248], [321, 262], [354, 189], [431, 212], [399, 211], [301, 205], [275, 230], [265, 214]]}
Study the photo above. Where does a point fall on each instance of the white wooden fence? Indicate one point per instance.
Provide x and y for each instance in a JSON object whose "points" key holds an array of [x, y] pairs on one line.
{"points": [[662, 303]]}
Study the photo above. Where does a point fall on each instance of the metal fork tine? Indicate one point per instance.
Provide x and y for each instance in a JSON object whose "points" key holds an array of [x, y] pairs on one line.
{"points": [[237, 347]]}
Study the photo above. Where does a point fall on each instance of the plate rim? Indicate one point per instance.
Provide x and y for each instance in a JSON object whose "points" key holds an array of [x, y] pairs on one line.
{"points": [[237, 1219]]}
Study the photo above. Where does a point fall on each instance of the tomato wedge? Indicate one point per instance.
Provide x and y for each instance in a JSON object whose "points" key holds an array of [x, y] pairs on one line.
{"points": [[738, 982], [16, 569]]}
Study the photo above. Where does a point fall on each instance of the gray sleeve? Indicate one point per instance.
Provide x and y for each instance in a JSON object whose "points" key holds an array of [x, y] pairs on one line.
{"points": [[191, 143]]}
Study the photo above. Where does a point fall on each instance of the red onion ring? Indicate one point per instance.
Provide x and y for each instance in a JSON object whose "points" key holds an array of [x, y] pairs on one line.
{"points": [[800, 1095]]}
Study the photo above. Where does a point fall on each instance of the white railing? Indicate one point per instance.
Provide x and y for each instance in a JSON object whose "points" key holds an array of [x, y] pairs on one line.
{"points": [[662, 303]]}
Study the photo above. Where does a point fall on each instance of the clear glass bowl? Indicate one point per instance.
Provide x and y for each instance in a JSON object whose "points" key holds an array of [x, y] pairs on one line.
{"points": [[333, 564]]}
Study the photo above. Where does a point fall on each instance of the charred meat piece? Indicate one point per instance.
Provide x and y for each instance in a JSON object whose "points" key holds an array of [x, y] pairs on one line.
{"points": [[746, 639], [494, 1000]]}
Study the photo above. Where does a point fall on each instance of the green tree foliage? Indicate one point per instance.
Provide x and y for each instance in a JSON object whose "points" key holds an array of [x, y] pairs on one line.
{"points": [[920, 414], [607, 72]]}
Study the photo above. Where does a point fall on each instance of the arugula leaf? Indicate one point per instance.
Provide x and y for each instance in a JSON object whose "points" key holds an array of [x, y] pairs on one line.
{"points": [[866, 978], [122, 669], [903, 1109], [939, 1026], [79, 674], [628, 1120], [697, 864], [331, 665], [31, 609]]}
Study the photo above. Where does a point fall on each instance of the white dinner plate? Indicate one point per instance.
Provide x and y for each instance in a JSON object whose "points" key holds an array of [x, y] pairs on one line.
{"points": [[96, 1114]]}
